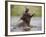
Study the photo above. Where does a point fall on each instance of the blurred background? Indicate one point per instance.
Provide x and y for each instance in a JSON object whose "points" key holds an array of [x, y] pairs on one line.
{"points": [[18, 10]]}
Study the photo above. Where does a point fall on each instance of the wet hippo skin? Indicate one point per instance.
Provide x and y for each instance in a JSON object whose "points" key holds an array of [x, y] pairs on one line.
{"points": [[26, 20]]}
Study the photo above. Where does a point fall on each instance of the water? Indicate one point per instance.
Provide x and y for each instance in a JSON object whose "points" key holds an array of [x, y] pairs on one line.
{"points": [[36, 23]]}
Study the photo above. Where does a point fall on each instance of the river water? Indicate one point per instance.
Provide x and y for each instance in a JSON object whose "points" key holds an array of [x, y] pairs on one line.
{"points": [[36, 23]]}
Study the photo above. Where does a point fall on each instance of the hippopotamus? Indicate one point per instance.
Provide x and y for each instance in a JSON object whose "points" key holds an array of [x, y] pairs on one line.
{"points": [[26, 20]]}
